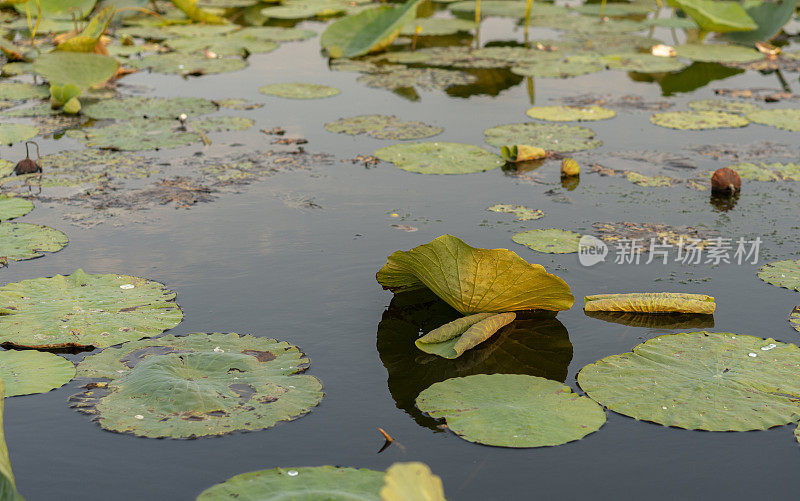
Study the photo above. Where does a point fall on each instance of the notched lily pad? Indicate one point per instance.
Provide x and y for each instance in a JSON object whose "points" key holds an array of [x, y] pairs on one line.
{"points": [[20, 241], [439, 158], [298, 90], [570, 113], [383, 127], [698, 120], [551, 137], [782, 274], [523, 213], [28, 371], [551, 240], [651, 302]]}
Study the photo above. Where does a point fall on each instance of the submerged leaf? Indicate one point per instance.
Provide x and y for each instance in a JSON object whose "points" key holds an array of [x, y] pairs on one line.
{"points": [[439, 158], [651, 302], [453, 339], [782, 274], [368, 31], [188, 64], [724, 106], [28, 371], [149, 107], [411, 482], [136, 135]]}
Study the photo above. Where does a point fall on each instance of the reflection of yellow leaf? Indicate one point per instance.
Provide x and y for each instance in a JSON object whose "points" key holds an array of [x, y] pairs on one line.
{"points": [[651, 302], [411, 482]]}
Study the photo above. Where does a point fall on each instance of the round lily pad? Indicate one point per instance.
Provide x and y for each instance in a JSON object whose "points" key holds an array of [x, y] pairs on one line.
{"points": [[298, 90], [320, 482], [28, 371], [222, 45], [20, 241], [198, 385], [551, 137], [698, 120], [149, 107], [13, 207], [221, 124], [423, 78], [551, 240], [723, 106], [15, 91], [782, 274], [84, 310], [440, 158], [512, 410], [523, 213], [137, 134], [570, 67], [718, 53], [383, 127], [15, 133], [188, 64], [713, 381], [570, 113], [786, 118], [643, 63]]}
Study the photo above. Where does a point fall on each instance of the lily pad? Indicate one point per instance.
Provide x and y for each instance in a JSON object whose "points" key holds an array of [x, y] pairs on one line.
{"points": [[198, 385], [439, 158], [762, 171], [84, 310], [368, 31], [15, 91], [474, 280], [569, 67], [551, 137], [723, 106], [794, 318], [651, 302], [20, 241], [716, 15], [512, 410], [148, 107], [423, 78], [59, 9], [570, 113], [551, 240], [221, 124], [234, 44], [176, 63], [786, 119], [453, 339], [523, 213], [698, 120], [299, 9], [649, 181], [15, 133], [782, 274], [643, 63], [437, 26], [411, 482], [714, 381], [7, 485], [136, 135], [718, 53], [28, 371], [383, 127], [59, 68], [298, 90], [14, 207]]}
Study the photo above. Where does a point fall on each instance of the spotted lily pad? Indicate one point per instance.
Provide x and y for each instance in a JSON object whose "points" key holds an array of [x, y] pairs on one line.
{"points": [[13, 207], [439, 158], [782, 274], [15, 91], [383, 127], [453, 339], [20, 241], [198, 385], [148, 107], [28, 371], [718, 53], [698, 120], [15, 133], [723, 106], [551, 240], [188, 64], [298, 90], [651, 302], [570, 113], [551, 137], [136, 135], [712, 381], [512, 410], [786, 119], [523, 213], [84, 310]]}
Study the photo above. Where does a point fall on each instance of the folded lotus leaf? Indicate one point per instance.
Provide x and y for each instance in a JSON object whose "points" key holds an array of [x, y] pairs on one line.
{"points": [[651, 302], [770, 18], [512, 410], [28, 371], [716, 15], [782, 274], [477, 329], [84, 310], [473, 280], [13, 207], [411, 482], [714, 381], [20, 241], [368, 31], [8, 488]]}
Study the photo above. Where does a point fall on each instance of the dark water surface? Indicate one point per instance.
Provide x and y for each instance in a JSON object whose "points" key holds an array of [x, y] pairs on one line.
{"points": [[253, 263]]}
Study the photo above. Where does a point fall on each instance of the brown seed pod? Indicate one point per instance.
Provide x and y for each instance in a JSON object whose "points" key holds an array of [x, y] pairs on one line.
{"points": [[28, 166], [726, 180]]}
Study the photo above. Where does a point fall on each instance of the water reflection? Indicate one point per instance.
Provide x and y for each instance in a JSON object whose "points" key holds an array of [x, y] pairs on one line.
{"points": [[691, 78], [649, 321], [534, 344], [724, 202], [490, 82]]}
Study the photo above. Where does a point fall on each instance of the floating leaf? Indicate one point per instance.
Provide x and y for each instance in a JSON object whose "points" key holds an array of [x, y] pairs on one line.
{"points": [[453, 339], [15, 133], [299, 9], [20, 241], [523, 213], [8, 488], [188, 64], [149, 107], [614, 9], [508, 8], [368, 31], [712, 381], [718, 53], [82, 69], [198, 385], [570, 113], [782, 274], [723, 106], [522, 153], [57, 9], [680, 236], [383, 127], [298, 90], [136, 134], [437, 26], [84, 310], [28, 371], [221, 124], [786, 119], [570, 67], [239, 43], [15, 91], [474, 280], [651, 302], [762, 171], [411, 482], [643, 63], [512, 410], [698, 120], [14, 207], [423, 78], [716, 15], [439, 158], [551, 240], [649, 181], [551, 137]]}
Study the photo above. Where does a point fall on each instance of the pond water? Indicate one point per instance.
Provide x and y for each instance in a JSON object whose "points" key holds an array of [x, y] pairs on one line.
{"points": [[293, 256]]}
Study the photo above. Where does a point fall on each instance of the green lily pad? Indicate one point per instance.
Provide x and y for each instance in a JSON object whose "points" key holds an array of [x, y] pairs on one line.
{"points": [[523, 213], [59, 9], [614, 9], [718, 53], [84, 310], [21, 241], [439, 158], [276, 33], [298, 90], [649, 181], [368, 31], [551, 240], [59, 68], [453, 339], [474, 280], [437, 26], [679, 23], [794, 318], [188, 64], [14, 207], [383, 127], [643, 63], [299, 9], [569, 67], [782, 274], [15, 133], [716, 15], [551, 137], [770, 18], [28, 371], [762, 171], [651, 302], [148, 107], [15, 91], [198, 385], [714, 381], [698, 120], [7, 485], [570, 113], [723, 106], [221, 124], [644, 232], [509, 8], [232, 44], [423, 78], [786, 119], [136, 135], [512, 410]]}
